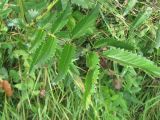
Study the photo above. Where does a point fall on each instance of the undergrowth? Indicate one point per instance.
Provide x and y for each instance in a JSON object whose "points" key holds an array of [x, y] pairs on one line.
{"points": [[79, 59]]}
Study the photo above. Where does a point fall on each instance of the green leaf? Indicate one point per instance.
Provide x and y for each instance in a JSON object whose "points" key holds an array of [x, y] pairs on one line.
{"points": [[127, 58], [71, 23], [129, 7], [65, 61], [157, 42], [86, 24], [92, 59], [5, 12], [43, 53], [83, 3], [114, 43], [91, 77], [61, 20], [74, 73], [141, 18], [63, 3], [38, 38], [14, 75]]}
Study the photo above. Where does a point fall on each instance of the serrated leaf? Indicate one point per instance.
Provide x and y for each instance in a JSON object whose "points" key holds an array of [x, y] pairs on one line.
{"points": [[141, 18], [127, 58], [130, 6], [85, 24], [39, 37], [61, 20], [65, 61], [114, 43], [91, 77], [43, 53]]}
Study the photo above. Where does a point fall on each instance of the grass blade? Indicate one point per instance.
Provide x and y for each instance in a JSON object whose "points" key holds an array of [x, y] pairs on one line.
{"points": [[130, 6], [85, 24], [141, 18]]}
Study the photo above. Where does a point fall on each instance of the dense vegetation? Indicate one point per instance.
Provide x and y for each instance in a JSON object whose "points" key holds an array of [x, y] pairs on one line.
{"points": [[79, 60]]}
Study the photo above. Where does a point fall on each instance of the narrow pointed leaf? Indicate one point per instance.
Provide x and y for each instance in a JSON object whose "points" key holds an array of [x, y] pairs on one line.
{"points": [[141, 18], [130, 6]]}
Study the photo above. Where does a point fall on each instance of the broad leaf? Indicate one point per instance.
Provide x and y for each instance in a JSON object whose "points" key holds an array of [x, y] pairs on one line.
{"points": [[43, 53], [131, 59]]}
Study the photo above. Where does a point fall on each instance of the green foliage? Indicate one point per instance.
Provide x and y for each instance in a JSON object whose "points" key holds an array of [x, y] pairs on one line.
{"points": [[113, 43], [141, 18], [65, 61], [157, 42], [43, 53], [83, 3], [86, 24], [80, 59], [61, 20], [91, 77], [149, 104], [4, 11], [129, 7], [38, 38], [128, 58]]}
